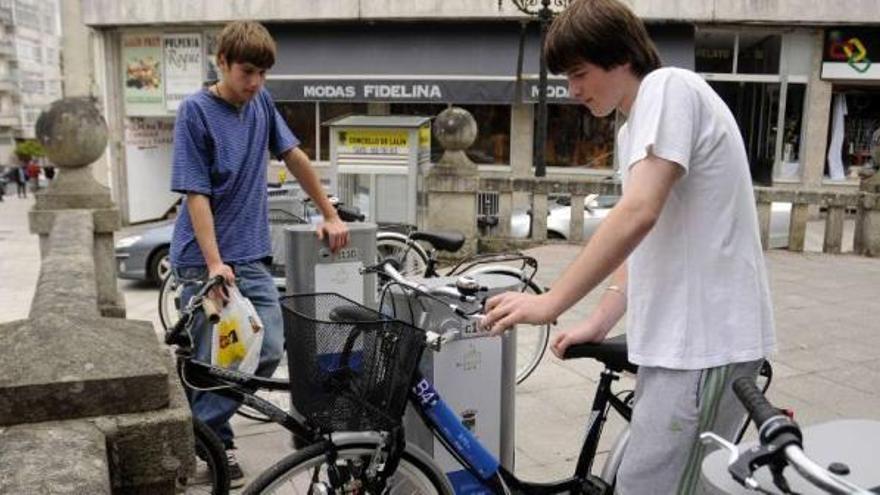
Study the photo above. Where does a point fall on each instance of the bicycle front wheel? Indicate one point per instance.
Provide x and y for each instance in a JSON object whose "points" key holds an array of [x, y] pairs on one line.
{"points": [[169, 301], [308, 471], [211, 475]]}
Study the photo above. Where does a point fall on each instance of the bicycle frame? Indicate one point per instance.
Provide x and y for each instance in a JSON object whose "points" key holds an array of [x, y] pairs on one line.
{"points": [[486, 469], [239, 387]]}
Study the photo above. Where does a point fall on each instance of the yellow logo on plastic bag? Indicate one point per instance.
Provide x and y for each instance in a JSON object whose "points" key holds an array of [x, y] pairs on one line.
{"points": [[232, 349]]}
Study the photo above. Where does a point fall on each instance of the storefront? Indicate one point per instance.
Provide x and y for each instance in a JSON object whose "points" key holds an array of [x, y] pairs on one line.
{"points": [[420, 68], [849, 63], [325, 71]]}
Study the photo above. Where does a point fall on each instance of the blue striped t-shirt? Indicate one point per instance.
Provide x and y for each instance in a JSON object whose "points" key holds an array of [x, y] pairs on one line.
{"points": [[221, 151]]}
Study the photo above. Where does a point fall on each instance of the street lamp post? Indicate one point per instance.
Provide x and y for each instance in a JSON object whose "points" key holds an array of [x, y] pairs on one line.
{"points": [[544, 15]]}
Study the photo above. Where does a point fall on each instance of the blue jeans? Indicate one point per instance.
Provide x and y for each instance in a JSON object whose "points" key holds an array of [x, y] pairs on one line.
{"points": [[256, 284]]}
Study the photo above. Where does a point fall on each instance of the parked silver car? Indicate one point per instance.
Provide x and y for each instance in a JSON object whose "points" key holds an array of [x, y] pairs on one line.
{"points": [[596, 208], [144, 255]]}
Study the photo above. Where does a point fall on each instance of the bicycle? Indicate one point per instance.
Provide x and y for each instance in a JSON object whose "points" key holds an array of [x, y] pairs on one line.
{"points": [[531, 342], [780, 445], [366, 431], [317, 468], [403, 249]]}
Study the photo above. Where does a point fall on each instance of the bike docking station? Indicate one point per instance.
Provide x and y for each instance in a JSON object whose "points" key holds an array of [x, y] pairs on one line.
{"points": [[475, 373], [312, 267]]}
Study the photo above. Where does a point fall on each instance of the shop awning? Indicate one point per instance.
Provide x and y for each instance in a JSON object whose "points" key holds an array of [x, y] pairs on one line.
{"points": [[423, 62]]}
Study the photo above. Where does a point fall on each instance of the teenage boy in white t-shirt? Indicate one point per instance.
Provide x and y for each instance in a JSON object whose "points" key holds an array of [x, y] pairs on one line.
{"points": [[682, 247]]}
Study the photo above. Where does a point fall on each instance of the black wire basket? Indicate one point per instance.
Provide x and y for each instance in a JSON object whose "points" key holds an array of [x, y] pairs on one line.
{"points": [[351, 367]]}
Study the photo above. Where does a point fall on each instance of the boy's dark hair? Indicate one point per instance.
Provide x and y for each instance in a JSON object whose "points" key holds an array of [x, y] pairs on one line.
{"points": [[246, 42], [602, 32]]}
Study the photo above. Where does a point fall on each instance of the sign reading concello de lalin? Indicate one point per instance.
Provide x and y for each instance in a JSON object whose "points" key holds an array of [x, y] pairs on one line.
{"points": [[456, 91]]}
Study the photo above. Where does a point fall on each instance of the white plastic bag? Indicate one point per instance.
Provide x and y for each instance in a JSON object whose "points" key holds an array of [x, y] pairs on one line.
{"points": [[238, 336]]}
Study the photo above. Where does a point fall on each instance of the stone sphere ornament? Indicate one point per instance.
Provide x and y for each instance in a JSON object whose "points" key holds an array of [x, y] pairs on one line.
{"points": [[73, 132], [455, 129]]}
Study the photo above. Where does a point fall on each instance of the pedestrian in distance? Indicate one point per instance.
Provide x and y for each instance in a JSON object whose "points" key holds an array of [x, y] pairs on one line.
{"points": [[19, 176], [32, 170], [223, 135], [682, 247]]}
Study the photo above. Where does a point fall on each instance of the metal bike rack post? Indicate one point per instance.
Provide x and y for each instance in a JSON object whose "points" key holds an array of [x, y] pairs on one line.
{"points": [[475, 375]]}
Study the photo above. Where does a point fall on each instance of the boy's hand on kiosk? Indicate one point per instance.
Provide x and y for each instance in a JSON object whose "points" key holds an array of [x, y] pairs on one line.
{"points": [[336, 233]]}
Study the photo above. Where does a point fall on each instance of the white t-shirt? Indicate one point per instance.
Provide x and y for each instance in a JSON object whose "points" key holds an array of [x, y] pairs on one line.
{"points": [[697, 293]]}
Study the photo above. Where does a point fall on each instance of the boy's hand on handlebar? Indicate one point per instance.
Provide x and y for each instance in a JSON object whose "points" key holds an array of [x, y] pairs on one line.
{"points": [[335, 231], [510, 308], [585, 331], [219, 294]]}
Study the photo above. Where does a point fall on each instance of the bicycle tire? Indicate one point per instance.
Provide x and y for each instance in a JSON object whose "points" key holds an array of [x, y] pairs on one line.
{"points": [[407, 256], [531, 343], [280, 398], [214, 478], [169, 294], [413, 468]]}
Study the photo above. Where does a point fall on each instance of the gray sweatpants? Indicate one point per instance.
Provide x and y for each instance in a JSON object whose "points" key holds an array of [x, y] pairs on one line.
{"points": [[672, 407]]}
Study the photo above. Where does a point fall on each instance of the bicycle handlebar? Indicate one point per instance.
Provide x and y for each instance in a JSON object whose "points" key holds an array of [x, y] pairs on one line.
{"points": [[780, 444], [209, 307], [465, 291], [758, 407]]}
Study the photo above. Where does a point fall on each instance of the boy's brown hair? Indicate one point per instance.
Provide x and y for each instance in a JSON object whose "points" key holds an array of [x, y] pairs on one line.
{"points": [[602, 32], [246, 42]]}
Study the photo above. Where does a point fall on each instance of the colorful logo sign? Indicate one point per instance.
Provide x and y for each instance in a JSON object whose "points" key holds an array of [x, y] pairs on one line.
{"points": [[851, 50]]}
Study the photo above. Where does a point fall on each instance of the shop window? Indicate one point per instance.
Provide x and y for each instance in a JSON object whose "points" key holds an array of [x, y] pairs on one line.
{"points": [[575, 138], [791, 134], [758, 53], [329, 111], [492, 145], [719, 51], [713, 51], [300, 118], [423, 110], [755, 107], [861, 120]]}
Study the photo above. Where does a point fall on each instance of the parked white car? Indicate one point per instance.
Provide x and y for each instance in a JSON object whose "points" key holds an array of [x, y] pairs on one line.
{"points": [[596, 208]]}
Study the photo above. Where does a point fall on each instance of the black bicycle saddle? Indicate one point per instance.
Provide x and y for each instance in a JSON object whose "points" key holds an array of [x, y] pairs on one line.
{"points": [[444, 241], [611, 352]]}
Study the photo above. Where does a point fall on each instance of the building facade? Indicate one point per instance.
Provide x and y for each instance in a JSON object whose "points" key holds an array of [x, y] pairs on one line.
{"points": [[800, 81], [30, 67]]}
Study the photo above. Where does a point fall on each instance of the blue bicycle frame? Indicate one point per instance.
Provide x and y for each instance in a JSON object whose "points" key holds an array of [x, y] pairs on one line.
{"points": [[488, 475]]}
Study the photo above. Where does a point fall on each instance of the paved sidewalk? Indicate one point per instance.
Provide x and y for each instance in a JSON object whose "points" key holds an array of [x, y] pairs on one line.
{"points": [[826, 314]]}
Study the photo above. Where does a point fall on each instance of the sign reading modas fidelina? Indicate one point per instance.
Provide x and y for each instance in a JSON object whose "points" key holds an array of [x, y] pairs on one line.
{"points": [[374, 141]]}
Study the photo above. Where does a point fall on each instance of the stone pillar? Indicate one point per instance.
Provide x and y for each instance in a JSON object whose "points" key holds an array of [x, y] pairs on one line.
{"points": [[74, 135], [452, 183], [522, 142], [817, 116], [88, 404]]}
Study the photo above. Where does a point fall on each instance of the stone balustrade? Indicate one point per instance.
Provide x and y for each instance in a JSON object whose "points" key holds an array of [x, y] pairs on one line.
{"points": [[89, 401], [865, 204]]}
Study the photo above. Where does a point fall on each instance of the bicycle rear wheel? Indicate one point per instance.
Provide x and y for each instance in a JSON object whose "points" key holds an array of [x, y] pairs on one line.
{"points": [[406, 255], [211, 475], [308, 471], [169, 301], [280, 398], [531, 340]]}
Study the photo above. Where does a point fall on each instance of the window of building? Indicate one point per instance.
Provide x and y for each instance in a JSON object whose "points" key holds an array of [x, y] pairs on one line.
{"points": [[492, 145], [575, 138], [301, 118], [714, 51], [861, 120], [723, 51], [765, 95], [758, 53]]}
